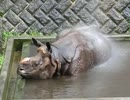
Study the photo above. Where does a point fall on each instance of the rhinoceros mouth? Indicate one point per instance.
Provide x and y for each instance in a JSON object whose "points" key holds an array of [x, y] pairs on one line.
{"points": [[23, 72]]}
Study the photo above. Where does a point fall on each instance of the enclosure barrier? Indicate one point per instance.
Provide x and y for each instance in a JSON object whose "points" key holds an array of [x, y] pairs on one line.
{"points": [[11, 84]]}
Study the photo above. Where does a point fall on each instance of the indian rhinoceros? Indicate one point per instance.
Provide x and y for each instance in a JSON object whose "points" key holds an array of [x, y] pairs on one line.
{"points": [[74, 51]]}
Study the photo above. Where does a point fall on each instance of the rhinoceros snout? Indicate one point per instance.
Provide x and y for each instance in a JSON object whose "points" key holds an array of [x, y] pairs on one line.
{"points": [[22, 70]]}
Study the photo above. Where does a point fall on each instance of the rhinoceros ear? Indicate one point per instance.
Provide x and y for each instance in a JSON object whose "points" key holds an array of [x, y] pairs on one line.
{"points": [[36, 42], [49, 47]]}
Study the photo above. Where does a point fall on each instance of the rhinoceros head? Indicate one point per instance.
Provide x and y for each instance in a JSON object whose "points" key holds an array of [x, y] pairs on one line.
{"points": [[40, 66]]}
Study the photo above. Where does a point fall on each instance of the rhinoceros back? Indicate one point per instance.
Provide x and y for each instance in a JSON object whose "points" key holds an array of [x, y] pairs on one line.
{"points": [[98, 43], [94, 40]]}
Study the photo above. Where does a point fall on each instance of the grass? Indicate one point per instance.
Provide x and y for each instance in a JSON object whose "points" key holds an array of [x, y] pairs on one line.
{"points": [[1, 60], [6, 35], [128, 20], [1, 14]]}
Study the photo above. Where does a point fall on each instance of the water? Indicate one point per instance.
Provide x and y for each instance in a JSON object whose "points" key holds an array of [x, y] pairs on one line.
{"points": [[110, 79]]}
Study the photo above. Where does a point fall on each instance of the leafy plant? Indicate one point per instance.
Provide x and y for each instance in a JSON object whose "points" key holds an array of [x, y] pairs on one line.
{"points": [[1, 60], [128, 20], [35, 33], [1, 14], [5, 37], [7, 34]]}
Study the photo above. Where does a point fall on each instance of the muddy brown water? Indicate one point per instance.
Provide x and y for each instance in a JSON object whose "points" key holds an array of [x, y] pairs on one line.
{"points": [[111, 79]]}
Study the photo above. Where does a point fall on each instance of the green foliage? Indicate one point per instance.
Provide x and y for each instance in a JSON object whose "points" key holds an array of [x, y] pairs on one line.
{"points": [[73, 0], [1, 60], [128, 20], [6, 35], [35, 33], [1, 14]]}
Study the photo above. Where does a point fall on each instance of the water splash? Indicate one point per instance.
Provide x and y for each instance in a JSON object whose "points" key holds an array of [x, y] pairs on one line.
{"points": [[96, 37], [97, 41]]}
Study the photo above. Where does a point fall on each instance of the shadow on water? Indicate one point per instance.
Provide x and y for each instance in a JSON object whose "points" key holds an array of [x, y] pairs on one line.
{"points": [[110, 79]]}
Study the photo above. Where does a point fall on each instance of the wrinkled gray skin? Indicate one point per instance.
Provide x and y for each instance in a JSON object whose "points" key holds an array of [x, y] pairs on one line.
{"points": [[73, 52]]}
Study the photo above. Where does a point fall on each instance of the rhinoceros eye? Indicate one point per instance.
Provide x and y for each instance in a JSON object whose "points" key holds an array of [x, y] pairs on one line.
{"points": [[40, 62], [35, 63]]}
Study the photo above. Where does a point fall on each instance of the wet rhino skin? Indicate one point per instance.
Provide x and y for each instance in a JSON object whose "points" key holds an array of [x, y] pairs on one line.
{"points": [[78, 51], [73, 52]]}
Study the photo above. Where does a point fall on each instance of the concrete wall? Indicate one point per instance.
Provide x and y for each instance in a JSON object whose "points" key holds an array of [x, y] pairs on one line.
{"points": [[49, 16]]}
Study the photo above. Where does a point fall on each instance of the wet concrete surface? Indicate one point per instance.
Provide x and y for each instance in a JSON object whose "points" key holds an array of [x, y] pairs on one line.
{"points": [[111, 79]]}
